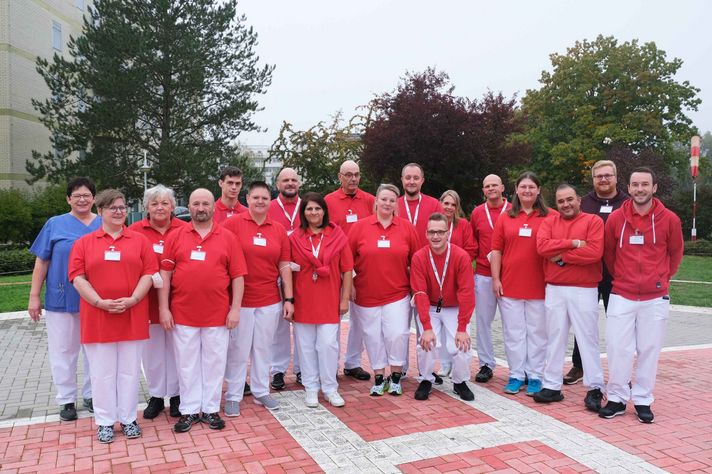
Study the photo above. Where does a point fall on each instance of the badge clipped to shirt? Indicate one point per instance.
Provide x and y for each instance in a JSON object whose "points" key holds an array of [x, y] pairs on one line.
{"points": [[351, 217], [525, 231], [158, 248], [383, 243], [636, 239], [259, 241], [197, 254], [606, 209], [112, 255]]}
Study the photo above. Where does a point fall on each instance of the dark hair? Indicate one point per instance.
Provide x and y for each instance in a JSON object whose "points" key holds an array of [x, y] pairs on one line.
{"points": [[230, 171], [76, 183], [563, 186], [539, 204], [319, 199], [644, 169], [258, 184], [437, 216]]}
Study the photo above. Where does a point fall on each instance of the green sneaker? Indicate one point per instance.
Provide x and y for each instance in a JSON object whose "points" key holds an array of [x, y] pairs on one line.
{"points": [[380, 386]]}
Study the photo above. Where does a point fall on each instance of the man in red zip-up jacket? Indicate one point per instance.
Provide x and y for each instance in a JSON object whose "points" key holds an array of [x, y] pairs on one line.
{"points": [[643, 250]]}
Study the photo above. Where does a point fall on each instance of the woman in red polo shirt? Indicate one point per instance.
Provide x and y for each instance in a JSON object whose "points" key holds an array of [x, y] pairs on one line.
{"points": [[322, 288], [518, 282], [111, 270], [382, 246]]}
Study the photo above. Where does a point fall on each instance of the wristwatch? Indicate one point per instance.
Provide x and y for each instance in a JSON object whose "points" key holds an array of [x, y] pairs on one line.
{"points": [[289, 300]]}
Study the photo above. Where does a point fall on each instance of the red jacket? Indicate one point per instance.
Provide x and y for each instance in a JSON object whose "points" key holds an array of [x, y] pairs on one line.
{"points": [[642, 271]]}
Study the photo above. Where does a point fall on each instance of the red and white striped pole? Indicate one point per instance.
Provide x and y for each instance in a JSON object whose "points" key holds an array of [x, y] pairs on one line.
{"points": [[694, 170]]}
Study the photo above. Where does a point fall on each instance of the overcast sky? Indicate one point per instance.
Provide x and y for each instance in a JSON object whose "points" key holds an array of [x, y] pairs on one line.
{"points": [[335, 55]]}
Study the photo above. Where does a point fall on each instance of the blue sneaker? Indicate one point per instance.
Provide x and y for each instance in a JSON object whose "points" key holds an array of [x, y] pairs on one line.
{"points": [[513, 386], [533, 387]]}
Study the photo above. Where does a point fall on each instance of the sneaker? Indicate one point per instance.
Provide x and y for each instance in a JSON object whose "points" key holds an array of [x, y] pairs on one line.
{"points": [[575, 375], [213, 420], [380, 386], [438, 380], [175, 406], [484, 375], [311, 399], [513, 386], [299, 379], [88, 403], [445, 370], [186, 422], [464, 391], [534, 386], [611, 409], [105, 434], [644, 413], [232, 408], [423, 391], [278, 381], [547, 395], [132, 430], [335, 399], [154, 408], [68, 412], [394, 386], [358, 373], [247, 391], [593, 400], [268, 402]]}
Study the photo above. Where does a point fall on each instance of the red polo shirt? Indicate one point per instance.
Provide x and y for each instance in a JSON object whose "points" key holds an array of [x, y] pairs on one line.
{"points": [[462, 237], [200, 289], [222, 212], [427, 206], [345, 210], [482, 233], [284, 217], [263, 260], [112, 280], [382, 271]]}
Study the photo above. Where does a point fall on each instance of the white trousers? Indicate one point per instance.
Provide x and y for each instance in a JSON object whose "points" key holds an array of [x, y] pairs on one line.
{"points": [[282, 349], [200, 359], [634, 327], [159, 363], [251, 341], [115, 379], [444, 326], [568, 306], [386, 332], [318, 347], [524, 327], [484, 315], [64, 344], [354, 343]]}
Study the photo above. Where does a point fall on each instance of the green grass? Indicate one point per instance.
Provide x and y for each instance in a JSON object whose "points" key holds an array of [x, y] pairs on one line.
{"points": [[695, 269]]}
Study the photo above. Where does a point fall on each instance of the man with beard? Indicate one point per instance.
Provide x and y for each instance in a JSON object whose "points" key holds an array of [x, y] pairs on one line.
{"points": [[230, 183]]}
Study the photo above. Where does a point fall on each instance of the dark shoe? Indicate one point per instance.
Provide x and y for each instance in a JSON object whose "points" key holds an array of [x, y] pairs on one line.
{"points": [[186, 422], [438, 379], [484, 375], [154, 408], [546, 395], [213, 420], [423, 390], [299, 379], [175, 406], [612, 409], [358, 373], [644, 413], [105, 434], [88, 403], [68, 412], [247, 391], [464, 391], [278, 381], [593, 400], [574, 376], [132, 430]]}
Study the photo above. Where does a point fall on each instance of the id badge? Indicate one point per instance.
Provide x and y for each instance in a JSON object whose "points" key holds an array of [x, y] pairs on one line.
{"points": [[606, 209], [351, 218], [259, 241], [197, 255], [384, 244], [637, 239], [158, 248], [525, 232], [112, 255]]}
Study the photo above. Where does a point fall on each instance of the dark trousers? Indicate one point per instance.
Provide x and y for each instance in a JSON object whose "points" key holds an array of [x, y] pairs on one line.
{"points": [[604, 291]]}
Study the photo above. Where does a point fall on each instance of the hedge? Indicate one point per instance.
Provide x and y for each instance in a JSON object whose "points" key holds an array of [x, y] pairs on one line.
{"points": [[15, 261]]}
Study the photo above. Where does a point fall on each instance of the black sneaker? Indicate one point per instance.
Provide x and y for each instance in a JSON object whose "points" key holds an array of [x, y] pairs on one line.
{"points": [[612, 409], [175, 406], [278, 381], [154, 408], [299, 379], [423, 390], [464, 391], [484, 375], [105, 434], [644, 413], [132, 430], [186, 422], [547, 395], [358, 373], [88, 404], [68, 412], [593, 400], [213, 420], [247, 391], [438, 379]]}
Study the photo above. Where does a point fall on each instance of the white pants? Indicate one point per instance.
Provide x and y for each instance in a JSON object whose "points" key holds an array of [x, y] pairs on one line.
{"points": [[354, 344], [63, 343], [251, 341], [318, 348], [484, 315], [524, 327], [568, 306], [115, 380], [386, 332], [159, 363], [200, 359], [444, 326], [281, 351], [634, 327]]}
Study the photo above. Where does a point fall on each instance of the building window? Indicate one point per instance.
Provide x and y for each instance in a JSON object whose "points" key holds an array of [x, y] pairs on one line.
{"points": [[79, 4], [57, 36]]}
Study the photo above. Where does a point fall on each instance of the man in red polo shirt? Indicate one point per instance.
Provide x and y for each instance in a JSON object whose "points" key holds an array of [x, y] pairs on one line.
{"points": [[203, 272], [230, 183], [347, 205], [444, 293]]}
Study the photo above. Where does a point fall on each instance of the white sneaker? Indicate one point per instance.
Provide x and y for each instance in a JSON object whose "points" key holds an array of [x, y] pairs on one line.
{"points": [[335, 399], [311, 399]]}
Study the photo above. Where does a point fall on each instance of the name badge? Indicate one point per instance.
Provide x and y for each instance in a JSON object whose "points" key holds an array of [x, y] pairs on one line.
{"points": [[351, 218], [606, 209], [637, 239], [259, 241], [384, 244], [112, 255], [525, 231], [158, 248], [197, 255]]}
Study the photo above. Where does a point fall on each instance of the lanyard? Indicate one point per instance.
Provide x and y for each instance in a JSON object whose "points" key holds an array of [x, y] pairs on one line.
{"points": [[449, 235], [315, 250], [417, 209], [294, 214], [440, 281], [489, 218]]}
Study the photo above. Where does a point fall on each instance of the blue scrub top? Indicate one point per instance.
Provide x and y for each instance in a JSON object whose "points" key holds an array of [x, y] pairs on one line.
{"points": [[54, 243]]}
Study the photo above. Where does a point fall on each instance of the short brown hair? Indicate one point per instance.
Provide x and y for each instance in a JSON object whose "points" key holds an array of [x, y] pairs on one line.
{"points": [[107, 197]]}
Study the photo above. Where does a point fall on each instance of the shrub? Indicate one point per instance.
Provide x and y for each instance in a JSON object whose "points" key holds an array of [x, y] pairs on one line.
{"points": [[16, 261], [700, 247], [15, 216]]}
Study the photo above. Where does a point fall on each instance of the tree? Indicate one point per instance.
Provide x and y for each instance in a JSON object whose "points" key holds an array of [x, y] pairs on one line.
{"points": [[602, 92], [177, 78], [456, 140]]}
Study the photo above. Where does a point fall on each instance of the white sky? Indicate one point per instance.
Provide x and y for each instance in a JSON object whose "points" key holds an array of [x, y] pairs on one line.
{"points": [[335, 55]]}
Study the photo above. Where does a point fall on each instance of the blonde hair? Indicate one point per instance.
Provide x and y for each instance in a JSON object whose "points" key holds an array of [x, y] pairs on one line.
{"points": [[386, 187], [601, 164], [459, 213]]}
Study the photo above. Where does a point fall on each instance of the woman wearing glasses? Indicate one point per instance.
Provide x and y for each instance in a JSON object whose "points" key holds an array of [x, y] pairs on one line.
{"points": [[52, 247], [111, 269]]}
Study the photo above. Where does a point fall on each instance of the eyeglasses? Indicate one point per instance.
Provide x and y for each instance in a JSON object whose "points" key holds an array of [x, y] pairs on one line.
{"points": [[117, 209], [439, 233], [607, 177], [79, 197], [351, 175]]}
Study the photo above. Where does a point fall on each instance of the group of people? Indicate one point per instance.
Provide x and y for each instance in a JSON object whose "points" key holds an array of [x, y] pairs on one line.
{"points": [[250, 289]]}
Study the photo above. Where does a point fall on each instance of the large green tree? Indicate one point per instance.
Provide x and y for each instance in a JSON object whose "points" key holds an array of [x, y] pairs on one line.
{"points": [[178, 78], [602, 93]]}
